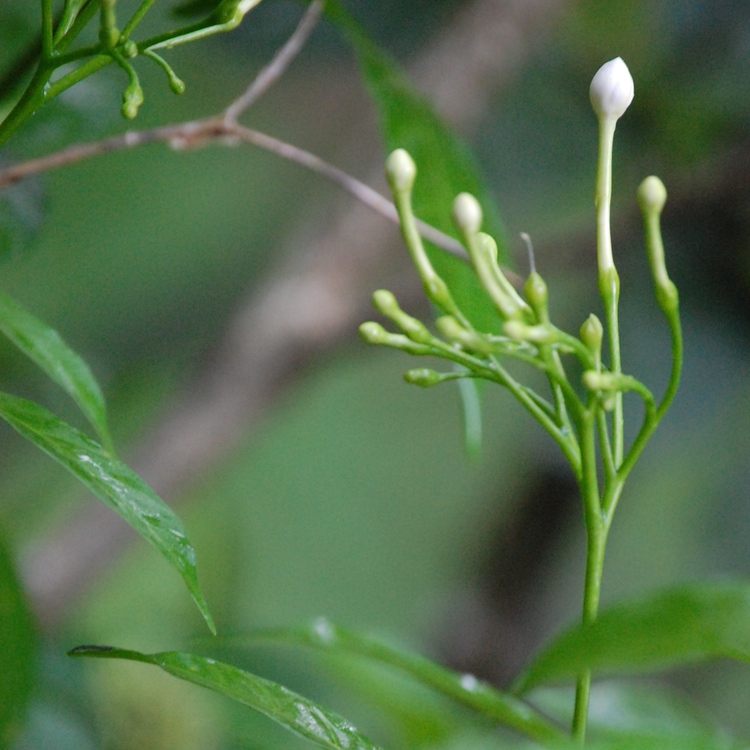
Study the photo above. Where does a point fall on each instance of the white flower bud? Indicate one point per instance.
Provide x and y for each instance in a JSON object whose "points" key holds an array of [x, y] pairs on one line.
{"points": [[611, 89], [467, 213], [401, 171]]}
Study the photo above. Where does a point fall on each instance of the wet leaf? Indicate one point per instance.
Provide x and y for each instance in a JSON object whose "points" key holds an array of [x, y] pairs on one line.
{"points": [[16, 650], [45, 347], [293, 711], [676, 627], [464, 688], [112, 482]]}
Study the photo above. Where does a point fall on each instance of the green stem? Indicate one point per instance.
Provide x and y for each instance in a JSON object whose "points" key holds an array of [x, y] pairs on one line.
{"points": [[30, 101], [79, 24], [596, 539], [47, 30], [609, 282], [136, 18]]}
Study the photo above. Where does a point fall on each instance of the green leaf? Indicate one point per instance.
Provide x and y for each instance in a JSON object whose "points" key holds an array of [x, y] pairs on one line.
{"points": [[289, 709], [111, 481], [45, 347], [16, 650], [446, 165], [483, 698], [676, 627]]}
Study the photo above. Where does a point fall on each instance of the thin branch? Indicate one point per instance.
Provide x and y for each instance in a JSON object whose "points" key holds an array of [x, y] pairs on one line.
{"points": [[278, 65]]}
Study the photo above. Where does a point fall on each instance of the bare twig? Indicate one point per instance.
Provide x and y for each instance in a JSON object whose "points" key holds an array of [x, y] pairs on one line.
{"points": [[224, 129], [278, 65]]}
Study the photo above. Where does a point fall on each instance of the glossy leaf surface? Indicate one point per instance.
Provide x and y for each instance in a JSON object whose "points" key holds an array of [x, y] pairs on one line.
{"points": [[47, 349], [676, 627], [293, 711], [445, 164], [478, 695], [111, 481], [16, 650]]}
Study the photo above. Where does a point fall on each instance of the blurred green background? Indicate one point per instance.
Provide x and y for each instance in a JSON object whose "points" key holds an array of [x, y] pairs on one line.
{"points": [[354, 497]]}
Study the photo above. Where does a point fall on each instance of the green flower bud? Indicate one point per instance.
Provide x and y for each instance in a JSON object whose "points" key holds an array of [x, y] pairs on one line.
{"points": [[423, 377], [467, 214], [591, 334], [535, 290], [652, 195], [451, 328], [401, 171], [413, 328], [386, 303], [539, 334], [373, 333], [130, 49]]}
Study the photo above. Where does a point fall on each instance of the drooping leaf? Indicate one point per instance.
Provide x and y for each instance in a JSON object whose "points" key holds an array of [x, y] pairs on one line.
{"points": [[291, 710], [680, 626], [483, 698], [16, 650], [446, 165], [111, 481], [45, 347]]}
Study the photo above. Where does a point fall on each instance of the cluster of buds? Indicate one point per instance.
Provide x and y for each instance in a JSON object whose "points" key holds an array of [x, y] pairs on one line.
{"points": [[525, 331]]}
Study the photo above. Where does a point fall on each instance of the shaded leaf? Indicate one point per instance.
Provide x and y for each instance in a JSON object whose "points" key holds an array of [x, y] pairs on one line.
{"points": [[45, 347], [446, 165], [676, 627], [466, 689], [111, 481], [16, 650], [289, 709]]}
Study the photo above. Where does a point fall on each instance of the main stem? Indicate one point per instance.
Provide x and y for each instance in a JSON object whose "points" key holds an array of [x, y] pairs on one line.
{"points": [[596, 539]]}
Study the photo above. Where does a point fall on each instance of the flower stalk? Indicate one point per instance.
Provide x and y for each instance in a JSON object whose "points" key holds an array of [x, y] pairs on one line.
{"points": [[586, 420]]}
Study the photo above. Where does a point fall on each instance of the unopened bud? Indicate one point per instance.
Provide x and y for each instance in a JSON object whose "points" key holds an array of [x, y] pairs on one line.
{"points": [[592, 333], [535, 290], [652, 195], [423, 377], [519, 331], [373, 333], [413, 328], [467, 214], [611, 89], [401, 171], [385, 302]]}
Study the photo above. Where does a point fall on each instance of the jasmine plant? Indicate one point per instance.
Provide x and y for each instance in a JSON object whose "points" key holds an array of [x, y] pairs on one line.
{"points": [[585, 419]]}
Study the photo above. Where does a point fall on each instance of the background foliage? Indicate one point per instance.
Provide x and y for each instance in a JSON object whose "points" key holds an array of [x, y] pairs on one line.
{"points": [[354, 498]]}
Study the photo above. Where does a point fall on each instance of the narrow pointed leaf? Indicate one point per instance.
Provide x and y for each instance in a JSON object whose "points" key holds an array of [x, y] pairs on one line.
{"points": [[16, 651], [291, 710], [445, 163], [111, 481], [681, 626], [45, 347], [483, 698]]}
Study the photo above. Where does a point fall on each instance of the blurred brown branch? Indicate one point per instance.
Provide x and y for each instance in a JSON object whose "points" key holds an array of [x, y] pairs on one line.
{"points": [[307, 305]]}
